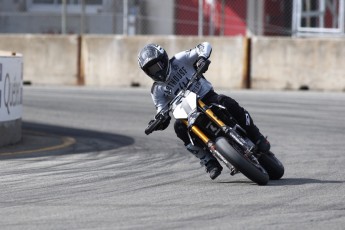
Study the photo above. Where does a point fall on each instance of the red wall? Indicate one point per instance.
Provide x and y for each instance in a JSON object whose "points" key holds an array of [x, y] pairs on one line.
{"points": [[186, 17], [277, 17]]}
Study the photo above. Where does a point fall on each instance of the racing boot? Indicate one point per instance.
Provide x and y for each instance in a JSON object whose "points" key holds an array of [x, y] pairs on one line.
{"points": [[260, 141], [263, 144], [206, 159], [254, 134], [213, 168]]}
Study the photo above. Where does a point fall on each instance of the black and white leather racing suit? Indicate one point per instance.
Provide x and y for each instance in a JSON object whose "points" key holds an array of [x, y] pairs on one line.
{"points": [[182, 69]]}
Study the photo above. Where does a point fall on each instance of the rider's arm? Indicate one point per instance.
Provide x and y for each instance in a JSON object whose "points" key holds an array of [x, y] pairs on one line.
{"points": [[201, 51], [204, 50], [159, 99], [161, 102]]}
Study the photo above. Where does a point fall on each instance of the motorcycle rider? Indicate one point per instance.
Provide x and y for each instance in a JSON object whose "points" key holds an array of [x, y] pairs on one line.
{"points": [[171, 75]]}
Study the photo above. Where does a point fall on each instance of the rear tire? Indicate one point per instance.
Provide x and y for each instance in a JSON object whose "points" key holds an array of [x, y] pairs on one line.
{"points": [[240, 162], [273, 166]]}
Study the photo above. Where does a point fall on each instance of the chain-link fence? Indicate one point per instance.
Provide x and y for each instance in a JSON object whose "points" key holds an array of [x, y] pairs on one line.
{"points": [[174, 17]]}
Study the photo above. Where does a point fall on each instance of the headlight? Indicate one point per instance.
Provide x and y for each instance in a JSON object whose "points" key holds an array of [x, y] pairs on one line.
{"points": [[192, 117]]}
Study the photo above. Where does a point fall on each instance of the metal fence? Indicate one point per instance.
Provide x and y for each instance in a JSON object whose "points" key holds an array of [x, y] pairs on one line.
{"points": [[175, 17]]}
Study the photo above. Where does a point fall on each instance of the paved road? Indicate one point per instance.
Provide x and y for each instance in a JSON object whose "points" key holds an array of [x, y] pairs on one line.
{"points": [[115, 177]]}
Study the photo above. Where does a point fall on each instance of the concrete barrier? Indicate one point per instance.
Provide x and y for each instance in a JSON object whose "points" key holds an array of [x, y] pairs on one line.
{"points": [[11, 76], [294, 63], [111, 60], [49, 59]]}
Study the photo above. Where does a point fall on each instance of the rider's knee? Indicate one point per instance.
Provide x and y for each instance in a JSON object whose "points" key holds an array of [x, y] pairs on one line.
{"points": [[181, 131]]}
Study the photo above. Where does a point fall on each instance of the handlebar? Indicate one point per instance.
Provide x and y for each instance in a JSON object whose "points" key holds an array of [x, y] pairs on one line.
{"points": [[197, 73], [151, 127]]}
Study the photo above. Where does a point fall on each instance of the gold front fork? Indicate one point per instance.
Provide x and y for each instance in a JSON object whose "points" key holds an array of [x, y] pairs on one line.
{"points": [[198, 132], [212, 116], [208, 142]]}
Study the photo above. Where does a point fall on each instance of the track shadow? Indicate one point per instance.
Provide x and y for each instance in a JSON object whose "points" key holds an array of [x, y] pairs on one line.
{"points": [[38, 140], [286, 181], [301, 181]]}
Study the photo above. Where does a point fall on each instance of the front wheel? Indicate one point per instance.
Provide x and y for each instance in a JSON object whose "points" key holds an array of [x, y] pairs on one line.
{"points": [[254, 172]]}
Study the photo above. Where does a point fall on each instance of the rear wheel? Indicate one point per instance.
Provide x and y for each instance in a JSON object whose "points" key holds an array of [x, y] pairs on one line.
{"points": [[254, 172], [273, 166]]}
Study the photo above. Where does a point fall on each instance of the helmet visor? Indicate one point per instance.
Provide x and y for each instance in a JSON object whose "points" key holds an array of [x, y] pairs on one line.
{"points": [[157, 71], [155, 68]]}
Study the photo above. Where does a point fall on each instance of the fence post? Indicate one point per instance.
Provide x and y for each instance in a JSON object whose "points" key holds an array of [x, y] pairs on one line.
{"points": [[125, 17], [63, 17], [200, 18]]}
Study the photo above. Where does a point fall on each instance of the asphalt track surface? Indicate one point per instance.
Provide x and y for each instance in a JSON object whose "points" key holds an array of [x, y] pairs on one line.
{"points": [[105, 173]]}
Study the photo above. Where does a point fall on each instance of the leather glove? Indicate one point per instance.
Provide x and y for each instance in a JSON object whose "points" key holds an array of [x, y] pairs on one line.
{"points": [[201, 62], [163, 124]]}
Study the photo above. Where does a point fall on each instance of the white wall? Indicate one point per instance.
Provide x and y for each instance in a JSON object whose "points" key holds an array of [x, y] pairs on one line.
{"points": [[11, 94]]}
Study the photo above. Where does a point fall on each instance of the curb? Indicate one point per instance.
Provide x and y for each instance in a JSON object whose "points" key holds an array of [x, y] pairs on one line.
{"points": [[35, 142]]}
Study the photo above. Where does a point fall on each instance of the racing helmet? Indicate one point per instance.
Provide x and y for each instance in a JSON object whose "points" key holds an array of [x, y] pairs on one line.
{"points": [[154, 61]]}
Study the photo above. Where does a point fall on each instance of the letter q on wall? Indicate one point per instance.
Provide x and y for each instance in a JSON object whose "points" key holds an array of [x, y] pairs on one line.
{"points": [[11, 86]]}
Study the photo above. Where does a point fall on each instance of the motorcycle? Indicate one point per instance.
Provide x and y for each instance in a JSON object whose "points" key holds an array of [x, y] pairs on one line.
{"points": [[215, 129]]}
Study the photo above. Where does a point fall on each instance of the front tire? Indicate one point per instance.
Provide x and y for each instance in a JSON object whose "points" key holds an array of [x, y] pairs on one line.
{"points": [[240, 162]]}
